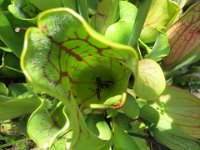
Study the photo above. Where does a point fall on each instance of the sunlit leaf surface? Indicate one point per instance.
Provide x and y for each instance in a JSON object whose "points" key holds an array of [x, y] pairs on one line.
{"points": [[66, 59], [64, 56], [184, 38]]}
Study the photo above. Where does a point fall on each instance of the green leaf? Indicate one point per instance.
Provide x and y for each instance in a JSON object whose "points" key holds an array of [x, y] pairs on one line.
{"points": [[4, 5], [141, 143], [42, 5], [177, 126], [149, 80], [160, 49], [3, 89], [12, 107], [44, 128], [97, 124], [10, 67], [28, 9], [114, 102], [60, 144], [107, 13], [95, 133], [170, 135], [123, 121], [83, 9], [150, 115], [130, 107], [181, 3], [184, 40], [139, 135], [65, 58], [19, 100], [123, 141], [9, 37], [22, 10], [183, 108], [92, 6], [69, 4], [6, 49], [4, 98], [168, 13], [18, 90], [127, 13], [22, 24], [88, 61]]}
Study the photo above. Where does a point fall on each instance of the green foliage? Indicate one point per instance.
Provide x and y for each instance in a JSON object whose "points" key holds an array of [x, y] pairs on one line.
{"points": [[126, 21], [184, 50], [146, 84], [17, 102], [167, 14], [88, 74], [8, 36], [160, 49], [106, 14]]}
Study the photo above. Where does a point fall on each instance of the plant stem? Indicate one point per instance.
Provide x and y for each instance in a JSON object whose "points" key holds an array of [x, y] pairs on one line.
{"points": [[83, 9], [143, 10], [73, 113]]}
